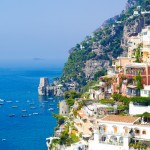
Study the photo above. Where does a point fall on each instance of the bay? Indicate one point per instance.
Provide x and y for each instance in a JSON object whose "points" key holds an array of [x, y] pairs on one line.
{"points": [[18, 88]]}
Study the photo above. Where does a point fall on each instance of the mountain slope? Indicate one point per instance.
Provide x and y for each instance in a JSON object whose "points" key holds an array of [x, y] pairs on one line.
{"points": [[107, 42]]}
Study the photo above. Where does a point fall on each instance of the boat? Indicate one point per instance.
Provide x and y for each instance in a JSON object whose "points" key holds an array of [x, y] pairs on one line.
{"points": [[1, 103], [11, 115], [51, 109], [1, 100], [32, 107], [50, 98], [35, 113], [25, 115], [31, 103], [14, 106], [51, 104], [9, 101], [17, 101], [3, 139], [24, 110]]}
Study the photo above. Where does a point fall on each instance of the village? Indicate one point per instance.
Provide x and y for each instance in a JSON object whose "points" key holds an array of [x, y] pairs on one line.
{"points": [[115, 113]]}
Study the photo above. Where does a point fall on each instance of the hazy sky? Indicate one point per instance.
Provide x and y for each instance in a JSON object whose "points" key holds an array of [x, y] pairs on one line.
{"points": [[42, 31]]}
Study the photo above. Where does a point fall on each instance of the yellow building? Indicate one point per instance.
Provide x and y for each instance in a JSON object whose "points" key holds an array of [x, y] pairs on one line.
{"points": [[133, 43], [146, 44]]}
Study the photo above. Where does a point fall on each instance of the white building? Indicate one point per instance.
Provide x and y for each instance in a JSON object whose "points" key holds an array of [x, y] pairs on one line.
{"points": [[63, 108], [135, 109], [136, 13], [114, 132], [145, 92], [133, 43]]}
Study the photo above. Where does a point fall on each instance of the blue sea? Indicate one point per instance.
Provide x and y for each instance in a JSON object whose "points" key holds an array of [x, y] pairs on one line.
{"points": [[18, 88]]}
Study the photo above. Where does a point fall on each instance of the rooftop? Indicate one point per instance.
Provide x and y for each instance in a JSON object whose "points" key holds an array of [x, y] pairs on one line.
{"points": [[116, 118], [81, 114], [136, 65]]}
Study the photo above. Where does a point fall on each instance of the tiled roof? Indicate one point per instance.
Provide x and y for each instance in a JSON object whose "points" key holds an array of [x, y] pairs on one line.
{"points": [[81, 114], [117, 118]]}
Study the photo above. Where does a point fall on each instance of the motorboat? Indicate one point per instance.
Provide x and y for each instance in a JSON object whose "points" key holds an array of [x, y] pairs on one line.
{"points": [[32, 107], [35, 113], [9, 101], [1, 100], [51, 109], [11, 115], [25, 115], [14, 106], [24, 110]]}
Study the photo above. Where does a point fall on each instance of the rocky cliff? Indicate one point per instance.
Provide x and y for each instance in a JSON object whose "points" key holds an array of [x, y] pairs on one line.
{"points": [[107, 42]]}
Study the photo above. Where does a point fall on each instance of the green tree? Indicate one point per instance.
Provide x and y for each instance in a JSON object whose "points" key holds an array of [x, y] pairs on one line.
{"points": [[99, 74], [138, 55]]}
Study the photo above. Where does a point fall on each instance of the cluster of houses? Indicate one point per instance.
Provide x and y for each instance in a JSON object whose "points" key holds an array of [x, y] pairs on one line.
{"points": [[138, 12], [121, 76], [100, 129], [97, 125]]}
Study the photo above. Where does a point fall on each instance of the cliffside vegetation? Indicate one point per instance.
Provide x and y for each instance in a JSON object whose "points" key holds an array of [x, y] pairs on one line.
{"points": [[70, 97], [105, 43]]}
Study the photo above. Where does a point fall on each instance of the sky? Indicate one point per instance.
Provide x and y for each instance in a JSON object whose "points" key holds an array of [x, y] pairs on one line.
{"points": [[40, 32]]}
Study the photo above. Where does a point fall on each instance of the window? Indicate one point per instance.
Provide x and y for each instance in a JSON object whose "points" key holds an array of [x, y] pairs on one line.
{"points": [[145, 92], [115, 129], [144, 33], [137, 131], [144, 132], [104, 128]]}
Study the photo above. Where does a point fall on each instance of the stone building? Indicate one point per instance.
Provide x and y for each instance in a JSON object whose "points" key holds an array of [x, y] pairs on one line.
{"points": [[63, 108]]}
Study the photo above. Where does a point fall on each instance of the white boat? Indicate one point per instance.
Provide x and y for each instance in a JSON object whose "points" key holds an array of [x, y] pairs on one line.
{"points": [[1, 100], [24, 110], [51, 109], [50, 98], [14, 106], [51, 104], [35, 113], [33, 107], [25, 115], [3, 139], [9, 101]]}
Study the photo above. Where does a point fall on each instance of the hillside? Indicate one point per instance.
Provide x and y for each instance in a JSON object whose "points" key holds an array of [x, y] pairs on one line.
{"points": [[106, 43]]}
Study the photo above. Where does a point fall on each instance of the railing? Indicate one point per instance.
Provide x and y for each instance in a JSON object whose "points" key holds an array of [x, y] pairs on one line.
{"points": [[111, 143], [79, 128], [114, 134], [147, 49]]}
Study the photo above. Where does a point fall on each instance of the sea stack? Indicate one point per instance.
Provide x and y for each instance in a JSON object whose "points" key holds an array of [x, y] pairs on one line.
{"points": [[43, 88], [47, 89]]}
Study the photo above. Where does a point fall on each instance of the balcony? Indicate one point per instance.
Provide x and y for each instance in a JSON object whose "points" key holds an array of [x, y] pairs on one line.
{"points": [[111, 143], [115, 134], [146, 49], [78, 127]]}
